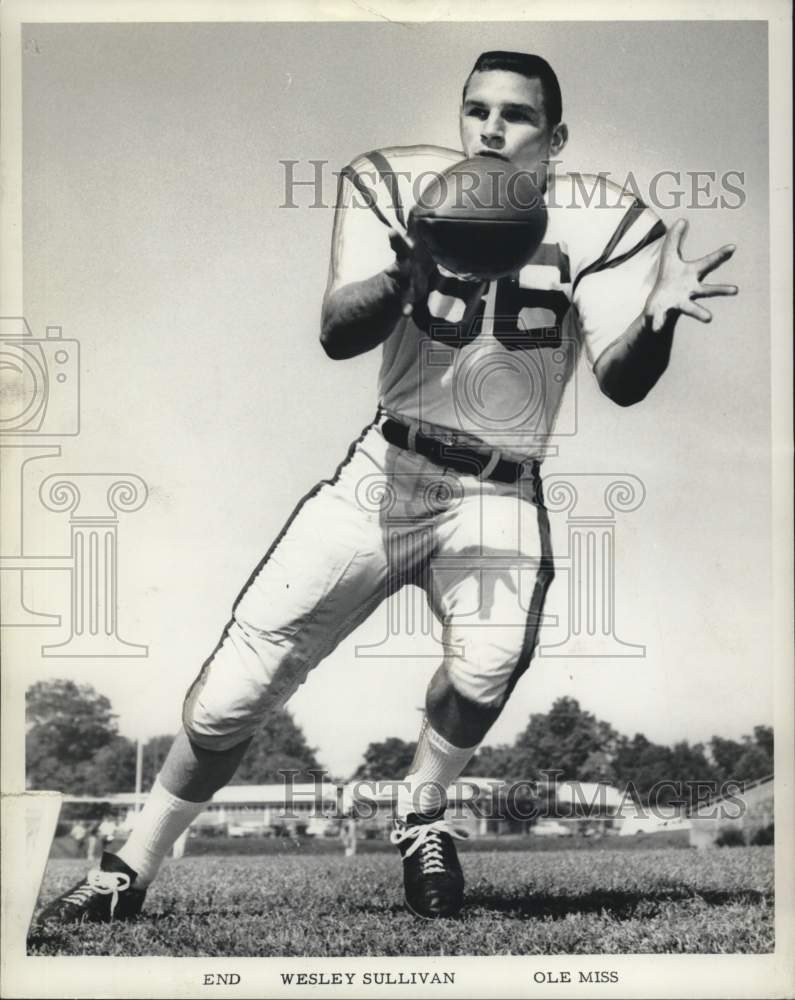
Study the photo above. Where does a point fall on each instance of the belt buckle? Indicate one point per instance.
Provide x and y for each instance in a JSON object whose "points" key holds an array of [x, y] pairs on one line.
{"points": [[491, 465], [467, 461]]}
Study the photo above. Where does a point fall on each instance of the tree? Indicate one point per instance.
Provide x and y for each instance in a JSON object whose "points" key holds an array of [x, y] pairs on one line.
{"points": [[279, 745], [111, 769], [67, 724], [565, 739], [753, 764], [763, 737], [725, 755], [509, 763], [598, 766], [154, 754], [642, 763], [688, 768], [386, 761], [746, 761], [689, 763]]}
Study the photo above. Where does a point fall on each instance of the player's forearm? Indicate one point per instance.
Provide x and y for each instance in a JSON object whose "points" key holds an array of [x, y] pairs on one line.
{"points": [[360, 315], [631, 366]]}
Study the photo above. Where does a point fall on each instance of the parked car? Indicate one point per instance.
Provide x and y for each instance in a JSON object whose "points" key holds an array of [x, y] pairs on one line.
{"points": [[551, 828], [239, 830]]}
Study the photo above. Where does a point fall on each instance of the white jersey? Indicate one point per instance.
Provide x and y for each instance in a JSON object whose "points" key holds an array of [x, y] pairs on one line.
{"points": [[489, 361]]}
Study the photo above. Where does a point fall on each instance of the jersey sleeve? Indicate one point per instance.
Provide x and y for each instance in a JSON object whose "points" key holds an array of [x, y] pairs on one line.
{"points": [[367, 207], [610, 291]]}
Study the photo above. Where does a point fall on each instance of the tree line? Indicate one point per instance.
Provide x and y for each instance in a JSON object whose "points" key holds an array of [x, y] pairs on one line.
{"points": [[73, 745]]}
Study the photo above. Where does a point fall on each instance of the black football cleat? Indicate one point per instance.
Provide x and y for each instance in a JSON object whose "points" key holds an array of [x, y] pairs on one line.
{"points": [[107, 893], [432, 876]]}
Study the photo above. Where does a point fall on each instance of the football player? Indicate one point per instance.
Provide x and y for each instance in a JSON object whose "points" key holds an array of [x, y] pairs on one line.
{"points": [[443, 488]]}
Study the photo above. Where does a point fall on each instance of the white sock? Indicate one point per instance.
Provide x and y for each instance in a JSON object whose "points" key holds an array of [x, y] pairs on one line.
{"points": [[436, 765], [163, 818]]}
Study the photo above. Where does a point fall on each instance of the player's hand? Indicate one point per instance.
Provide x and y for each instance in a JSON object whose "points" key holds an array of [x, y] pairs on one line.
{"points": [[679, 282], [413, 265]]}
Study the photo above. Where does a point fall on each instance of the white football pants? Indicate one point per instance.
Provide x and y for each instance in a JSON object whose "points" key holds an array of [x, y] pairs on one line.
{"points": [[389, 517]]}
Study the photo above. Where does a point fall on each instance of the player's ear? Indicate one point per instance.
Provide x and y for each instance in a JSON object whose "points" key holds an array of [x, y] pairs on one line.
{"points": [[461, 127], [560, 136]]}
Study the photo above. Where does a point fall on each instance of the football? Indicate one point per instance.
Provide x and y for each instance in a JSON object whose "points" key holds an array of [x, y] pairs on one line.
{"points": [[482, 217]]}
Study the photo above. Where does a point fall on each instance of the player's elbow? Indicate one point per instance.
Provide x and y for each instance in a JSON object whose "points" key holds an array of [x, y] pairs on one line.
{"points": [[612, 387], [623, 397], [334, 346], [623, 387], [330, 340], [329, 345]]}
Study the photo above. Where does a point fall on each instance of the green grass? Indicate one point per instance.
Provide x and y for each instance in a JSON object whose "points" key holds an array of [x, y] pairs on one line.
{"points": [[597, 901], [506, 842]]}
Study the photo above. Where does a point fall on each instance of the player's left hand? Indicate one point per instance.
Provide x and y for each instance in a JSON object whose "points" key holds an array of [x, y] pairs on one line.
{"points": [[679, 282], [412, 268]]}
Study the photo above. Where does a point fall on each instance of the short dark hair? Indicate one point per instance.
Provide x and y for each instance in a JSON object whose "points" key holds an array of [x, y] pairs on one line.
{"points": [[530, 66]]}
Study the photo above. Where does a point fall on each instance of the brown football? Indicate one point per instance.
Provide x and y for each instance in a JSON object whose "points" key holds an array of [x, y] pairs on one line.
{"points": [[481, 217]]}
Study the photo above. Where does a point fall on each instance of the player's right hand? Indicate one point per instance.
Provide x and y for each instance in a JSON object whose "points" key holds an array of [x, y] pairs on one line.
{"points": [[412, 268], [679, 282]]}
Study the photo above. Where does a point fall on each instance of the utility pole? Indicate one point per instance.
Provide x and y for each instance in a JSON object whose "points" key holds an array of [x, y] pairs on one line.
{"points": [[139, 770]]}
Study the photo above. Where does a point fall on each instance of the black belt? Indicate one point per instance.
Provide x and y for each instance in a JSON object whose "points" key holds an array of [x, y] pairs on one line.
{"points": [[467, 460]]}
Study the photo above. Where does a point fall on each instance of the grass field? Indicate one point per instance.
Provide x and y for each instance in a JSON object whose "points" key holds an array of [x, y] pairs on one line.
{"points": [[505, 842], [66, 847], [598, 901]]}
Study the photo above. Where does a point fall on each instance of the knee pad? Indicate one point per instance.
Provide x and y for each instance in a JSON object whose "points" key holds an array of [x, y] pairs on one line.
{"points": [[213, 729], [247, 677], [485, 687]]}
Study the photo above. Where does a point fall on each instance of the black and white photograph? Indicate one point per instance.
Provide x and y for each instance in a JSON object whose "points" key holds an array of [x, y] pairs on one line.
{"points": [[396, 447]]}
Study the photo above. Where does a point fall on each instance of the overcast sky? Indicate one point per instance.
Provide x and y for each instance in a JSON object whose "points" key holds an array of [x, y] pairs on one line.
{"points": [[153, 234]]}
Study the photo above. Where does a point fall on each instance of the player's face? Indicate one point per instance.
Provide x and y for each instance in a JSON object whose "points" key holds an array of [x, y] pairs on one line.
{"points": [[503, 115]]}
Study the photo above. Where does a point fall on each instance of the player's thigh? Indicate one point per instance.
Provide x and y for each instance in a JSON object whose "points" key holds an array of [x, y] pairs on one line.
{"points": [[489, 578], [324, 574], [327, 561]]}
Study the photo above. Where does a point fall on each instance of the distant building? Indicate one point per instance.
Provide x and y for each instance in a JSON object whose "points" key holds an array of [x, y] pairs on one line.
{"points": [[747, 812], [479, 805]]}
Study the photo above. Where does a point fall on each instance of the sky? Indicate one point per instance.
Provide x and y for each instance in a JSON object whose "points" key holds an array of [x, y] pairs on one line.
{"points": [[154, 234]]}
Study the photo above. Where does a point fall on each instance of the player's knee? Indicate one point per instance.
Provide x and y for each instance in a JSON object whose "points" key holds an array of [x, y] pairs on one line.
{"points": [[247, 676], [484, 689], [216, 724], [214, 742], [212, 733]]}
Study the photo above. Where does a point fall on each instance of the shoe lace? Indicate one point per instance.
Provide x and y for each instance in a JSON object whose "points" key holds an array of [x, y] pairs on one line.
{"points": [[427, 839], [100, 883]]}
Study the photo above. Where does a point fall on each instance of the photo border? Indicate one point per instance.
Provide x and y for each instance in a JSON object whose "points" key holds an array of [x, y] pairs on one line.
{"points": [[499, 976]]}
